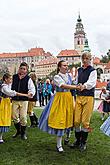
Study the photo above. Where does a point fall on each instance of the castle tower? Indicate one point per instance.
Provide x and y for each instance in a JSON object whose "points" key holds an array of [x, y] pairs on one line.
{"points": [[86, 46], [79, 36]]}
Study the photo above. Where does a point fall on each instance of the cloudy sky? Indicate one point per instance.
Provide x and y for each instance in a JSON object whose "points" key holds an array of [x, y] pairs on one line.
{"points": [[51, 24]]}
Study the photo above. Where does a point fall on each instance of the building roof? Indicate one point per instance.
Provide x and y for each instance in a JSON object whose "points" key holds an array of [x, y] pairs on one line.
{"points": [[68, 53], [96, 60], [107, 65], [31, 52], [100, 84]]}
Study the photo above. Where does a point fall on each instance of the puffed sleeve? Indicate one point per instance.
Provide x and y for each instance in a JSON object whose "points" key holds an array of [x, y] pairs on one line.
{"points": [[58, 81], [6, 89]]}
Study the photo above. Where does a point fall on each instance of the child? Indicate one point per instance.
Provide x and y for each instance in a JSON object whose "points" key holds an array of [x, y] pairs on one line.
{"points": [[104, 106], [5, 105], [32, 102]]}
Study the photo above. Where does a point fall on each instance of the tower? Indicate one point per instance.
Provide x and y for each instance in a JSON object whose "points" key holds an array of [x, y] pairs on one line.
{"points": [[86, 46], [79, 36]]}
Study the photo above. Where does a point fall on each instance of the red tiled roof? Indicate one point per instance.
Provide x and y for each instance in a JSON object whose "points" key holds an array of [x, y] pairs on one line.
{"points": [[100, 84], [108, 65], [68, 53], [36, 50], [96, 60], [31, 52]]}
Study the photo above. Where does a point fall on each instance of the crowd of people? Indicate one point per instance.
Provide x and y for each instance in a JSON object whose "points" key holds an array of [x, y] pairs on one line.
{"points": [[68, 102]]}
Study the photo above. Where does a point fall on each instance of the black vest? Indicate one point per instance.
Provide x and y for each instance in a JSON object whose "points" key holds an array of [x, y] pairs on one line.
{"points": [[21, 86], [83, 76]]}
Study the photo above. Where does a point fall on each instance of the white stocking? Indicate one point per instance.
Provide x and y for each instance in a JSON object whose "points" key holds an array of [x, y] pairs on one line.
{"points": [[59, 141]]}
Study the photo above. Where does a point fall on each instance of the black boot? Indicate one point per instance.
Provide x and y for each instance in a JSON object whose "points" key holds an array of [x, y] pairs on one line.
{"points": [[76, 144], [23, 134], [32, 120], [36, 120], [18, 128], [84, 136]]}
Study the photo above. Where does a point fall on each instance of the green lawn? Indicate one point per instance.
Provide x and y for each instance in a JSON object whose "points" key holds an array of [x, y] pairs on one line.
{"points": [[40, 149]]}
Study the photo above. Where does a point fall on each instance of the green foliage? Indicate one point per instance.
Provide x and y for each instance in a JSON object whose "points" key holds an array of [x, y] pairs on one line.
{"points": [[106, 58], [40, 148], [75, 65]]}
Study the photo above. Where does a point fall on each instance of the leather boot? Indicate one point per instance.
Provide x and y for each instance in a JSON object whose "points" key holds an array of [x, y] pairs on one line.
{"points": [[36, 119], [32, 120], [83, 145], [18, 128], [76, 144], [23, 134]]}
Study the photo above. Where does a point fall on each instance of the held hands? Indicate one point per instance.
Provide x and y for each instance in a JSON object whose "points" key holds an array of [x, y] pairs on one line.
{"points": [[80, 87], [30, 95]]}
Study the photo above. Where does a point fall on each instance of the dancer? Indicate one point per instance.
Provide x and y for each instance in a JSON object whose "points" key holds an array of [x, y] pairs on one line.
{"points": [[58, 114], [5, 105], [87, 77], [22, 83]]}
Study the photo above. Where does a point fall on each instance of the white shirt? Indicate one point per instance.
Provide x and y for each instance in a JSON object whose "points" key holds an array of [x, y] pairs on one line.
{"points": [[60, 79], [6, 89], [91, 82], [31, 87]]}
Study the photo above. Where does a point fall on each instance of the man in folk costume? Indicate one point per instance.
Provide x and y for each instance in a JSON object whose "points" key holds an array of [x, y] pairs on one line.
{"points": [[24, 84], [87, 77]]}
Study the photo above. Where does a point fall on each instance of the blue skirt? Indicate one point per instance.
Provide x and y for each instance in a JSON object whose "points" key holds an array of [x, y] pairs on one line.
{"points": [[105, 127], [43, 121], [4, 128]]}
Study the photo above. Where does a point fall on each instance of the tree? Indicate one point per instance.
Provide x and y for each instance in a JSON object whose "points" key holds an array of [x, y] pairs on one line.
{"points": [[106, 58]]}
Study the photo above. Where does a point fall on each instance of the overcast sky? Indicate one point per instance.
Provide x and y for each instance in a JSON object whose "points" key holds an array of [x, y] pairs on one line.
{"points": [[50, 24]]}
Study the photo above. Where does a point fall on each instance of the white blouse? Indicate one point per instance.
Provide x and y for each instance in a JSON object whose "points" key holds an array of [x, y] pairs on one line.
{"points": [[60, 79], [6, 89]]}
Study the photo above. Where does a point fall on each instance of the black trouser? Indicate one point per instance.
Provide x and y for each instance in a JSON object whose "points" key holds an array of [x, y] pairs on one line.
{"points": [[41, 99]]}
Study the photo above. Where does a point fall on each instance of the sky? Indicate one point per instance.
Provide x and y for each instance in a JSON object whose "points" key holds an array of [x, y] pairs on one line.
{"points": [[50, 24]]}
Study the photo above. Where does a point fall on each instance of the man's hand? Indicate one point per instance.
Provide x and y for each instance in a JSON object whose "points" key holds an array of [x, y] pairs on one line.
{"points": [[30, 95], [82, 87]]}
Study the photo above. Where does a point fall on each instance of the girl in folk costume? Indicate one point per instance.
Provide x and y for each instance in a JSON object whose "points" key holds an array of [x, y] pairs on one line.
{"points": [[5, 105], [58, 114]]}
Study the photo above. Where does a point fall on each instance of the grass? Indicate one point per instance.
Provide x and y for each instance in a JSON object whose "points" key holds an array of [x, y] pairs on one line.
{"points": [[39, 149]]}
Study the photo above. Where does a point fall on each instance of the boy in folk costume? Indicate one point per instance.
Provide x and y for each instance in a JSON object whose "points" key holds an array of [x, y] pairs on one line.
{"points": [[21, 83], [5, 105], [87, 77]]}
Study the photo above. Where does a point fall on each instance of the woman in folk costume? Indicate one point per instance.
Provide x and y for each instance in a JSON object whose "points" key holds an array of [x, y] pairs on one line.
{"points": [[58, 114], [5, 105]]}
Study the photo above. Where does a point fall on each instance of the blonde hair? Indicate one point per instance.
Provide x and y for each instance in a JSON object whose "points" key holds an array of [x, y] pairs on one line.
{"points": [[86, 54], [33, 76]]}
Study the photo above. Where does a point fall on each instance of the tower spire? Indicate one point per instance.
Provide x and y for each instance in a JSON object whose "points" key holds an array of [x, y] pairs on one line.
{"points": [[79, 35], [79, 18]]}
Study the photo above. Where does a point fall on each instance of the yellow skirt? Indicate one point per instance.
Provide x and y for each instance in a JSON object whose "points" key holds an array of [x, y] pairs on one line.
{"points": [[62, 111], [5, 112]]}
